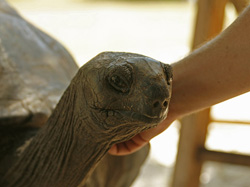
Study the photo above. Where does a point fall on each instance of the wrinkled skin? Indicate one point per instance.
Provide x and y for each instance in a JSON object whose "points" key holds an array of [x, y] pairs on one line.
{"points": [[125, 89], [112, 98], [118, 171], [35, 70]]}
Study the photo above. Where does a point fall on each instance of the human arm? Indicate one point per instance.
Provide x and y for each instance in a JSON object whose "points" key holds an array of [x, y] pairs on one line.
{"points": [[217, 71]]}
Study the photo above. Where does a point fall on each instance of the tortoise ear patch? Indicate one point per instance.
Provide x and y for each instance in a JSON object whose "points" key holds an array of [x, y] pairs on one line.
{"points": [[168, 70]]}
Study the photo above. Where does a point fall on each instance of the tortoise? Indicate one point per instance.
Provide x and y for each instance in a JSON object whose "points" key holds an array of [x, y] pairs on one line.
{"points": [[49, 143], [35, 70]]}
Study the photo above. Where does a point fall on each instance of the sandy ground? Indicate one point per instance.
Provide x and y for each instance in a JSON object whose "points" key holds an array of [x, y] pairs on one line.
{"points": [[160, 30]]}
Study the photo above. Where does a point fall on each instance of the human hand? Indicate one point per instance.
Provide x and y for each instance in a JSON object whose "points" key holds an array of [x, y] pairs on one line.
{"points": [[139, 140]]}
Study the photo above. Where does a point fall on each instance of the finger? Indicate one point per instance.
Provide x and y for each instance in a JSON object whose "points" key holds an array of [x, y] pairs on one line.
{"points": [[139, 140], [129, 146]]}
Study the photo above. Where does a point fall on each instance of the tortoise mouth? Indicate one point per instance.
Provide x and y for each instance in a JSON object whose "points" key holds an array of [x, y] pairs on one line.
{"points": [[129, 116], [142, 117]]}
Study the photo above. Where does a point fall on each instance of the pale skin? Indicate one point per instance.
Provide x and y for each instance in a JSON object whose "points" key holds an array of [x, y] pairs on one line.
{"points": [[217, 71]]}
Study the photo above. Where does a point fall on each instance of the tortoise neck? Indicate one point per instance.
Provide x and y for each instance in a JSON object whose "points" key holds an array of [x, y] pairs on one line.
{"points": [[63, 152]]}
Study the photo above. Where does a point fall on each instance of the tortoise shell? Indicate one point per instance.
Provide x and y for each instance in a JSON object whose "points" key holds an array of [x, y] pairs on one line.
{"points": [[35, 69]]}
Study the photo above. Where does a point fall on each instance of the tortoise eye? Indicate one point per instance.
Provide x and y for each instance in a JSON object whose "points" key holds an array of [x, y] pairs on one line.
{"points": [[120, 78], [168, 70]]}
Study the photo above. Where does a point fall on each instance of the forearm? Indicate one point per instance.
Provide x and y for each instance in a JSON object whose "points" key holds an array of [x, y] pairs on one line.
{"points": [[213, 73], [217, 71]]}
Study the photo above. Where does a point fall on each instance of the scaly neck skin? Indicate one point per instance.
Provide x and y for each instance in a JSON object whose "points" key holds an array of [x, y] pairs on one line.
{"points": [[63, 152]]}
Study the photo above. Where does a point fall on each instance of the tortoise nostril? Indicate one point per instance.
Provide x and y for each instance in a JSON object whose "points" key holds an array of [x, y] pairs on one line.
{"points": [[156, 104], [165, 104]]}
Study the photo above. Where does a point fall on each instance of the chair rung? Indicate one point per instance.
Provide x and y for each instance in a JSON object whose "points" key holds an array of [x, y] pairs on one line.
{"points": [[230, 121], [208, 155]]}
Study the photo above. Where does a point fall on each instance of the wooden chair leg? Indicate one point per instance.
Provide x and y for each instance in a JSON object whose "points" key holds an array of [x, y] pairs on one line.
{"points": [[192, 137], [209, 22], [240, 4]]}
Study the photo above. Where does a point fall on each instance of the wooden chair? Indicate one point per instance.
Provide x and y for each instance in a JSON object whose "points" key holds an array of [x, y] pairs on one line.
{"points": [[192, 152]]}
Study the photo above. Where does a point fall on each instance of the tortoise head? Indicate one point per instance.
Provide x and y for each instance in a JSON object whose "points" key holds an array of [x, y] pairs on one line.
{"points": [[126, 91]]}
